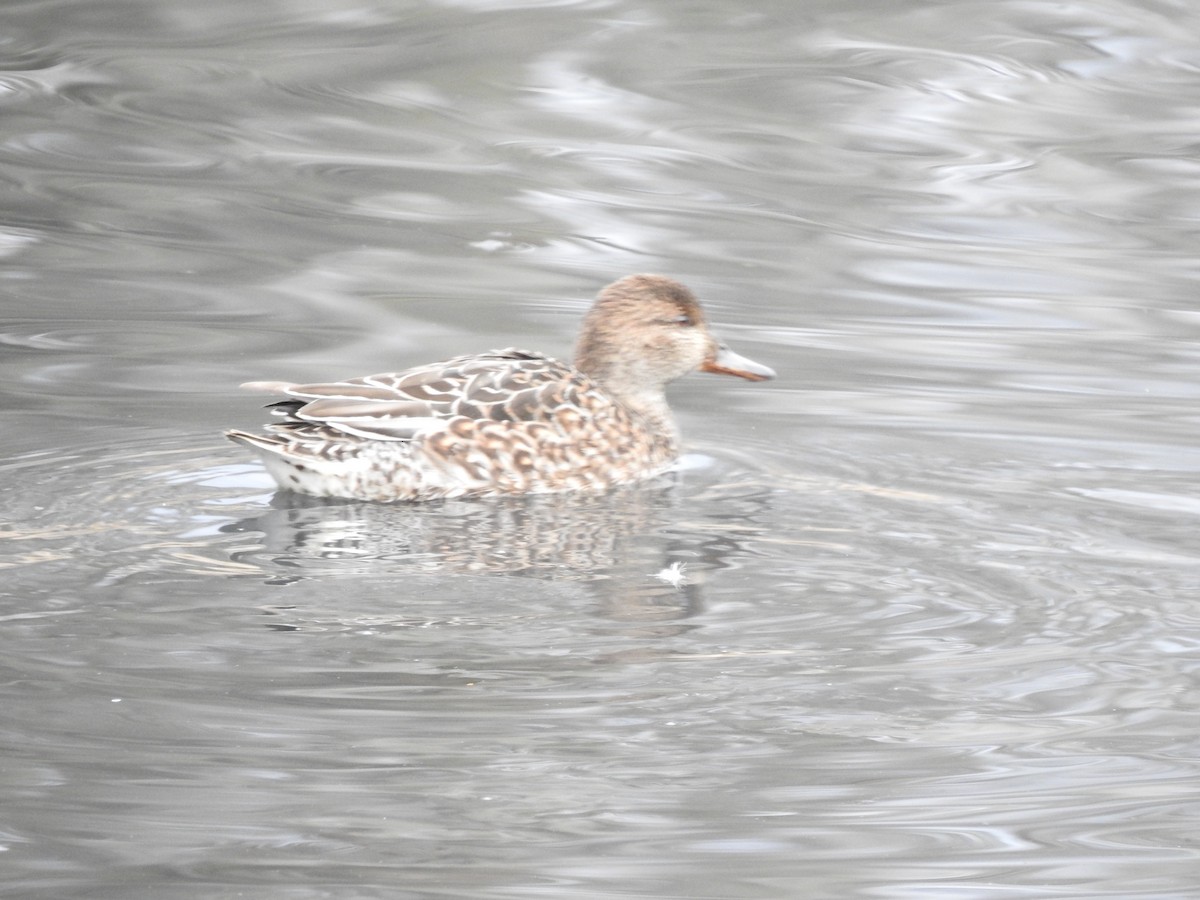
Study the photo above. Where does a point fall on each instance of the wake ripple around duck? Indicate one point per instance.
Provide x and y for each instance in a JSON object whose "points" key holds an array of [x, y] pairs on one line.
{"points": [[182, 506]]}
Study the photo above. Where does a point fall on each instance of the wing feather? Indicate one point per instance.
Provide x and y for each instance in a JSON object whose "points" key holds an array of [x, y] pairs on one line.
{"points": [[502, 386]]}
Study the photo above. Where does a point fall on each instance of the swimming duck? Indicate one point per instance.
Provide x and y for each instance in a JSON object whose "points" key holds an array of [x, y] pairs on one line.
{"points": [[507, 421]]}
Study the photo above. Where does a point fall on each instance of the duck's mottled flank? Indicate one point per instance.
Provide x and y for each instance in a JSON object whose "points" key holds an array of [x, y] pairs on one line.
{"points": [[508, 421]]}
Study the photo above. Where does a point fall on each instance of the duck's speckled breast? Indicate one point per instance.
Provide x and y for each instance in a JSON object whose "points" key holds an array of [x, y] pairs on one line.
{"points": [[585, 441]]}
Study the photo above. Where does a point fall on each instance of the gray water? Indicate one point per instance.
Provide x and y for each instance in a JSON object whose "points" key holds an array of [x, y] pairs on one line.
{"points": [[938, 631]]}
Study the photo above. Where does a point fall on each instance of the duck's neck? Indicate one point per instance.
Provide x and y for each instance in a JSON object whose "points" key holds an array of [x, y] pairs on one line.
{"points": [[633, 390], [651, 406]]}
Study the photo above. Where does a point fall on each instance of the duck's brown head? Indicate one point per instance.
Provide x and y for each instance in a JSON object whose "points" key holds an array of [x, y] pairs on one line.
{"points": [[645, 331]]}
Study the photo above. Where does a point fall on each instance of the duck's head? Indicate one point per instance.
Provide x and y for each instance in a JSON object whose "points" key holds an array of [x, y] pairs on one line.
{"points": [[647, 330]]}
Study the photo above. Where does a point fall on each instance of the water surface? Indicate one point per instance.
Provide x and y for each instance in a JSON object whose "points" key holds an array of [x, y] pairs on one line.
{"points": [[936, 633]]}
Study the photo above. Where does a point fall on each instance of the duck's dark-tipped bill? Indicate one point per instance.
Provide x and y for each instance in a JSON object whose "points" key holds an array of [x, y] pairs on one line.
{"points": [[726, 362]]}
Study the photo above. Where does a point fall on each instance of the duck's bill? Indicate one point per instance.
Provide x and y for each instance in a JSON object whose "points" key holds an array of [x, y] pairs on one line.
{"points": [[726, 362]]}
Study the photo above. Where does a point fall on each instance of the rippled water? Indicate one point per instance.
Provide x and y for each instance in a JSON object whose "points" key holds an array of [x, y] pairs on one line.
{"points": [[936, 633]]}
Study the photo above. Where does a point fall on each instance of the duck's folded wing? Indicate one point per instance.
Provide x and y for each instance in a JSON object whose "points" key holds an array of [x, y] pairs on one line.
{"points": [[503, 386]]}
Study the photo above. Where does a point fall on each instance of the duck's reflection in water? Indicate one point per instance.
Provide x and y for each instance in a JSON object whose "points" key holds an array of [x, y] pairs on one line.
{"points": [[636, 552]]}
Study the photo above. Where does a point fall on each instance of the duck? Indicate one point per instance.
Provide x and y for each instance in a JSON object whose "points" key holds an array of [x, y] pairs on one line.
{"points": [[504, 422]]}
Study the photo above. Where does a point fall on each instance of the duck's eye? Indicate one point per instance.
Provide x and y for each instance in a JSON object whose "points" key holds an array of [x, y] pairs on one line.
{"points": [[681, 319]]}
